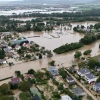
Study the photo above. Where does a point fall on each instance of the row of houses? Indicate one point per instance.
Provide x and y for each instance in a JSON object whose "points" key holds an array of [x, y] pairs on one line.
{"points": [[90, 78], [78, 91]]}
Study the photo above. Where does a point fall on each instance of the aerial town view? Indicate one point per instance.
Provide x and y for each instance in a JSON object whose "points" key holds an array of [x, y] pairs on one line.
{"points": [[49, 50]]}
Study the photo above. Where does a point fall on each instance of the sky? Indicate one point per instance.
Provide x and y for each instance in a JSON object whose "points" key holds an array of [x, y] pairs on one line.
{"points": [[10, 0]]}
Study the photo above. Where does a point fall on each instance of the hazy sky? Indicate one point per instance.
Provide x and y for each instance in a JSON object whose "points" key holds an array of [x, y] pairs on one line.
{"points": [[10, 0]]}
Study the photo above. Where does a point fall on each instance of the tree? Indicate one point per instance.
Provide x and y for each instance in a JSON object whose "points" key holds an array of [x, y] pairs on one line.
{"points": [[92, 63], [87, 52], [78, 54], [4, 89], [52, 63], [40, 56], [24, 86]]}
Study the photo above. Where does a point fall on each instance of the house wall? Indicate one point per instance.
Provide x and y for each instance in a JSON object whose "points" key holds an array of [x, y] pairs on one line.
{"points": [[90, 80], [70, 81], [82, 74], [95, 88], [80, 94]]}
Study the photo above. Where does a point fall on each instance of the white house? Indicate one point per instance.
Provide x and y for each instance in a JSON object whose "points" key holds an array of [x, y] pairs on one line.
{"points": [[90, 78], [83, 72], [66, 97]]}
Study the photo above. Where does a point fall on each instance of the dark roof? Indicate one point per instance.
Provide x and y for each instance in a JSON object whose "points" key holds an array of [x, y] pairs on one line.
{"points": [[36, 97], [31, 42], [77, 90], [97, 84], [90, 76], [84, 71], [70, 78], [15, 80]]}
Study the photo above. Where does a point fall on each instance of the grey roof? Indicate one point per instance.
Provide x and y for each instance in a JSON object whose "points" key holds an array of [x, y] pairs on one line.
{"points": [[70, 79], [90, 76], [36, 97], [73, 69], [97, 84], [77, 90], [84, 71], [7, 50], [53, 70]]}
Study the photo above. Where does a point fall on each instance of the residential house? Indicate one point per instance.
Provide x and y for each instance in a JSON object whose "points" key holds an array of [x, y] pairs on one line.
{"points": [[72, 69], [78, 91], [7, 33], [34, 91], [83, 72], [15, 80], [19, 42], [96, 87], [27, 76], [97, 68], [90, 78], [36, 97], [7, 49], [66, 97], [70, 80], [2, 61], [3, 44], [53, 70], [9, 54]]}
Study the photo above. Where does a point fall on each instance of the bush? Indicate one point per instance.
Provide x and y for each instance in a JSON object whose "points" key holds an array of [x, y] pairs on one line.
{"points": [[24, 96], [87, 52]]}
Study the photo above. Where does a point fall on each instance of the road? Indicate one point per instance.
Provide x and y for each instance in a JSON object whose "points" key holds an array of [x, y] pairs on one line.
{"points": [[86, 90]]}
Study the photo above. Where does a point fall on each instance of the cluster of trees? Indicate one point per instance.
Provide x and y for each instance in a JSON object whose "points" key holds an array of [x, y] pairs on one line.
{"points": [[79, 29], [63, 73], [68, 47], [5, 93], [89, 38], [78, 54]]}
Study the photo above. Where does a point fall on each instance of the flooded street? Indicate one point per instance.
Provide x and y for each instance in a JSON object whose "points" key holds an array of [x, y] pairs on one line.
{"points": [[50, 44]]}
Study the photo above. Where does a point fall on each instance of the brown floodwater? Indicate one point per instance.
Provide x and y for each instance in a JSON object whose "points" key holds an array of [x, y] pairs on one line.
{"points": [[50, 43], [65, 58]]}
